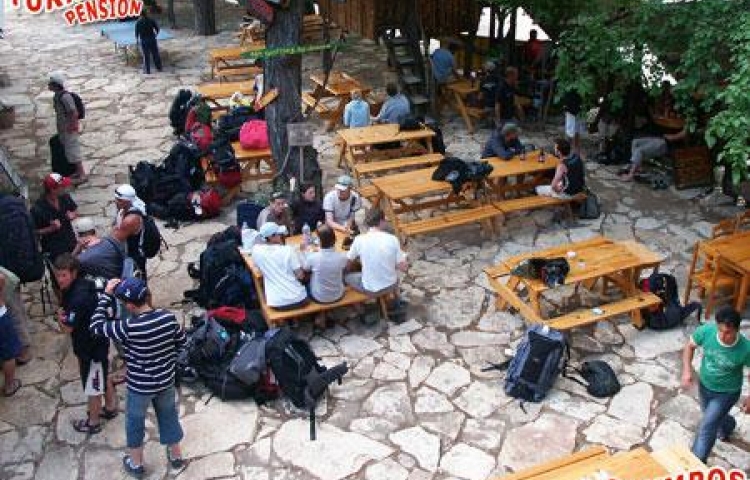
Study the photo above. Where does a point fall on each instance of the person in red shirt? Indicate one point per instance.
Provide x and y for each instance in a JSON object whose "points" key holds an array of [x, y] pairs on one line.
{"points": [[534, 49]]}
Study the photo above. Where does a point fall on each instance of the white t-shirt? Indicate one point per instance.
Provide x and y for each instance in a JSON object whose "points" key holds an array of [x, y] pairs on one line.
{"points": [[342, 210], [327, 279], [277, 263], [380, 253]]}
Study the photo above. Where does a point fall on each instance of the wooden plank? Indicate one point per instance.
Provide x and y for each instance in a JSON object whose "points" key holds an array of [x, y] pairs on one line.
{"points": [[382, 166], [580, 318], [532, 202], [678, 459], [449, 220], [592, 453], [509, 296]]}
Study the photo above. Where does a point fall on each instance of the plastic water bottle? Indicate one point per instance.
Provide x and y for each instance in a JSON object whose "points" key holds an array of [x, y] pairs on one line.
{"points": [[246, 237], [305, 235]]}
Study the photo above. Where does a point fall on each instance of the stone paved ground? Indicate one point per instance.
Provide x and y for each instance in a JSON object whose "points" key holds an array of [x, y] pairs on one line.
{"points": [[416, 405]]}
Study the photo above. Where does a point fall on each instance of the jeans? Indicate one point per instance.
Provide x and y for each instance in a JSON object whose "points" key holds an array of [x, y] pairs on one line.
{"points": [[716, 420], [149, 48], [165, 406], [646, 148]]}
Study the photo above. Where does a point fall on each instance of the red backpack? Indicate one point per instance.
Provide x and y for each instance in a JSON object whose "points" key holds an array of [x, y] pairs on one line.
{"points": [[201, 135], [254, 135], [206, 201]]}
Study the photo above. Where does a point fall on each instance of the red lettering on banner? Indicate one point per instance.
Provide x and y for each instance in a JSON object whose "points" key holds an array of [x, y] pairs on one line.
{"points": [[34, 6], [70, 17], [135, 8], [716, 473], [53, 5], [735, 474]]}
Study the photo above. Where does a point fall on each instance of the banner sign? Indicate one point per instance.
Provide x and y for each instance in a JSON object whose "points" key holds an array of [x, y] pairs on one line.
{"points": [[291, 50]]}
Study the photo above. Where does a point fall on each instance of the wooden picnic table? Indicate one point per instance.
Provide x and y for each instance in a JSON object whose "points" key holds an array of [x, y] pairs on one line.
{"points": [[592, 260], [460, 91], [355, 143], [231, 57], [338, 90], [213, 93], [733, 252], [670, 123]]}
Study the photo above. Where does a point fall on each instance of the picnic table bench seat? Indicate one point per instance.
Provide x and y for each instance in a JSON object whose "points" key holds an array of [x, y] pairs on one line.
{"points": [[377, 167], [222, 72], [584, 317], [308, 99], [450, 219], [277, 317], [534, 202], [251, 162]]}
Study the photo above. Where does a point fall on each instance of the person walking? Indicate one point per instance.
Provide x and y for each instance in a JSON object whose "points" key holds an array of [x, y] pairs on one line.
{"points": [[725, 354], [146, 31], [151, 338], [67, 119]]}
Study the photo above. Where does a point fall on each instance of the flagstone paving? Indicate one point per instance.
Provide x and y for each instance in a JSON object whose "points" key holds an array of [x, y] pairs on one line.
{"points": [[415, 405]]}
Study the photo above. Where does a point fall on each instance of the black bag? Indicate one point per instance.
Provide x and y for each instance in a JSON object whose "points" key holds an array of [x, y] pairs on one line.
{"points": [[230, 124], [249, 363], [410, 123], [19, 246], [598, 378], [142, 178], [539, 359], [297, 370], [151, 239], [184, 160], [60, 162], [79, 105], [220, 381], [234, 289], [670, 313], [220, 265], [457, 172], [551, 271], [179, 110], [247, 213], [590, 208], [222, 156], [210, 342]]}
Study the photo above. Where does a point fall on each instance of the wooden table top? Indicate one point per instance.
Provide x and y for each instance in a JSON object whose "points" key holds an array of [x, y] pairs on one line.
{"points": [[383, 133], [224, 90], [340, 84], [594, 258], [463, 86], [419, 182], [734, 248], [636, 464], [233, 53], [294, 241]]}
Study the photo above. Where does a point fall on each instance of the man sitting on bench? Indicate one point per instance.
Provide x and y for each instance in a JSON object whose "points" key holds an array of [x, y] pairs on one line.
{"points": [[281, 269], [277, 212], [381, 257], [326, 268], [646, 148], [504, 143], [340, 205], [569, 178]]}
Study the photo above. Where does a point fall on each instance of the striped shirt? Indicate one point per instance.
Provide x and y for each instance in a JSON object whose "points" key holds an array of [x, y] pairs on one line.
{"points": [[151, 342]]}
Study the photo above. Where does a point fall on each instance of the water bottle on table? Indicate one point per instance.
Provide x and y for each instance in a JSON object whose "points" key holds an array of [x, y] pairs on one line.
{"points": [[247, 235], [306, 237]]}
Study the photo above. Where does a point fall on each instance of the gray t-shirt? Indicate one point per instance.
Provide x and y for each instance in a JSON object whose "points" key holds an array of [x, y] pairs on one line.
{"points": [[342, 210], [327, 280], [63, 103], [104, 259]]}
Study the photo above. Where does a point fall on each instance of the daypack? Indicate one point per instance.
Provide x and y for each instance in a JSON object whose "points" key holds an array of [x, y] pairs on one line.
{"points": [[457, 172], [224, 163], [60, 163], [184, 160], [247, 213], [217, 378], [536, 364], [670, 313], [590, 209], [179, 110], [229, 124], [209, 343], [299, 374], [598, 378], [19, 246], [249, 363], [151, 239], [80, 108], [254, 135]]}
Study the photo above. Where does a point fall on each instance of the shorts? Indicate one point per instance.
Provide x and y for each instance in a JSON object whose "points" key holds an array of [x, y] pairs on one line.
{"points": [[574, 125], [72, 144], [10, 344], [84, 365]]}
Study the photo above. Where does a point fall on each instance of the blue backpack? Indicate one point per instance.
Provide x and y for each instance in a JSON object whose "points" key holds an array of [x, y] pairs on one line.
{"points": [[538, 361]]}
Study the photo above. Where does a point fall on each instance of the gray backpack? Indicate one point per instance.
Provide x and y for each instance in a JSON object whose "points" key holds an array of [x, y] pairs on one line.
{"points": [[249, 363], [536, 364]]}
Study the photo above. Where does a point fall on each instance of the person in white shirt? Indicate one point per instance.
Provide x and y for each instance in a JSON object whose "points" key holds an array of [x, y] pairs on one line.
{"points": [[381, 257], [340, 205], [281, 269]]}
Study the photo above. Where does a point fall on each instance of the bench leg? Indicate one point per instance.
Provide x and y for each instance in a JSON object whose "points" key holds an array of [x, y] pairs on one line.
{"points": [[383, 302]]}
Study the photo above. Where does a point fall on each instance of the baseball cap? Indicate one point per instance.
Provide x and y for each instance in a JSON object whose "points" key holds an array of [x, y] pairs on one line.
{"points": [[57, 77], [344, 182], [278, 195], [131, 290], [55, 180], [269, 229], [125, 192], [84, 225]]}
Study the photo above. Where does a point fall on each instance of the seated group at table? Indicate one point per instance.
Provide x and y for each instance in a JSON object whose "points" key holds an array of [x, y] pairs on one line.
{"points": [[395, 108]]}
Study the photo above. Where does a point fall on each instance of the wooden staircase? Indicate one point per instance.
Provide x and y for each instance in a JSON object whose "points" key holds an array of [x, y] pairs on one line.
{"points": [[405, 57]]}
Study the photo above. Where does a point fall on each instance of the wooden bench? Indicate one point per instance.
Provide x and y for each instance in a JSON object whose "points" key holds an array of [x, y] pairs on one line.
{"points": [[308, 99], [590, 456], [223, 72], [377, 167], [251, 162], [534, 202], [580, 318], [449, 220]]}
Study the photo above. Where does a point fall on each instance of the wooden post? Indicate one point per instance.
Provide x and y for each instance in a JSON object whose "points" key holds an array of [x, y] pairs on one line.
{"points": [[205, 17]]}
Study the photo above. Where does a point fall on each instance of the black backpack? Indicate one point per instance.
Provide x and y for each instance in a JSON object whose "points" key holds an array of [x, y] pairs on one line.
{"points": [[19, 246], [60, 163], [299, 374], [598, 378], [150, 241], [79, 105], [215, 261], [222, 156], [229, 124], [590, 209], [670, 313], [539, 359], [179, 110]]}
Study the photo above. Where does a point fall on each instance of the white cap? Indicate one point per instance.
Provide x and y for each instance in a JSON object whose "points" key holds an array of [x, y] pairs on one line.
{"points": [[269, 229], [125, 192], [84, 225], [58, 78]]}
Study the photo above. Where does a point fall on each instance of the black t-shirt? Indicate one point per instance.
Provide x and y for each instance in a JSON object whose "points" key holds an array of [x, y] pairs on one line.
{"points": [[572, 103], [506, 97], [43, 214], [575, 180], [146, 29], [305, 212], [79, 303]]}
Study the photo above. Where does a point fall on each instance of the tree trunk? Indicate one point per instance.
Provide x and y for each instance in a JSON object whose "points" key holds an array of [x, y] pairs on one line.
{"points": [[205, 17], [170, 14], [284, 73]]}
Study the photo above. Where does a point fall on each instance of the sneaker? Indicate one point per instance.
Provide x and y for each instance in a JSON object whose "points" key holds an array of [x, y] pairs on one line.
{"points": [[131, 468]]}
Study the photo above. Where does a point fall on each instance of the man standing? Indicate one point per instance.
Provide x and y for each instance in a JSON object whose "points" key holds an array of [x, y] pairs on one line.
{"points": [[281, 268], [570, 176], [53, 213], [340, 205], [151, 338], [277, 212], [503, 143], [146, 30], [131, 212], [725, 354], [68, 128], [444, 64]]}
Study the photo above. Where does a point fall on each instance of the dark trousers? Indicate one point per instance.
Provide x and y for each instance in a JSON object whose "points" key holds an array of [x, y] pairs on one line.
{"points": [[149, 49]]}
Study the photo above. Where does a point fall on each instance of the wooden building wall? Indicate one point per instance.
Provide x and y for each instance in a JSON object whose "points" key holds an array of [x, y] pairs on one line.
{"points": [[439, 17]]}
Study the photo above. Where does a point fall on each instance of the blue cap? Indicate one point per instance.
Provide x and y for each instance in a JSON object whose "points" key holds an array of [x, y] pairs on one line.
{"points": [[131, 290]]}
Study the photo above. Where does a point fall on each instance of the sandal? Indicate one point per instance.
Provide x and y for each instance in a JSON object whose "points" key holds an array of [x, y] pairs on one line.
{"points": [[175, 463], [83, 426], [109, 414], [14, 387]]}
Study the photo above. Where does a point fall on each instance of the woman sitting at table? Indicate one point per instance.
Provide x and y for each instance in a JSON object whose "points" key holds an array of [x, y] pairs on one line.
{"points": [[503, 143], [307, 209], [357, 112]]}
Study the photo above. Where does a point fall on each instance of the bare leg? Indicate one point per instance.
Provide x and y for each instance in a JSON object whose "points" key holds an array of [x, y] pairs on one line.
{"points": [[95, 409], [9, 372]]}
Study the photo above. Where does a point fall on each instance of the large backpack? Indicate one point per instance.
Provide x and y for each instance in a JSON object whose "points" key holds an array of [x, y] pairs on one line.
{"points": [[150, 240], [229, 124], [536, 364], [222, 274], [179, 110], [299, 374], [19, 247], [80, 107], [670, 313]]}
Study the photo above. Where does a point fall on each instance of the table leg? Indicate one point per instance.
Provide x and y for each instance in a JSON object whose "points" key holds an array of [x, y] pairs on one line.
{"points": [[336, 115], [462, 110], [501, 303], [743, 292]]}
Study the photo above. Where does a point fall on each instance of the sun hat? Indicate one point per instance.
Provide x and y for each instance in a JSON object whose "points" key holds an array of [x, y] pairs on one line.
{"points": [[125, 192], [344, 182]]}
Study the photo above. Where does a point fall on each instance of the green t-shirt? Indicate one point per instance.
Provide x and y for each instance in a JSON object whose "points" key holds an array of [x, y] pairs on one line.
{"points": [[721, 368]]}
